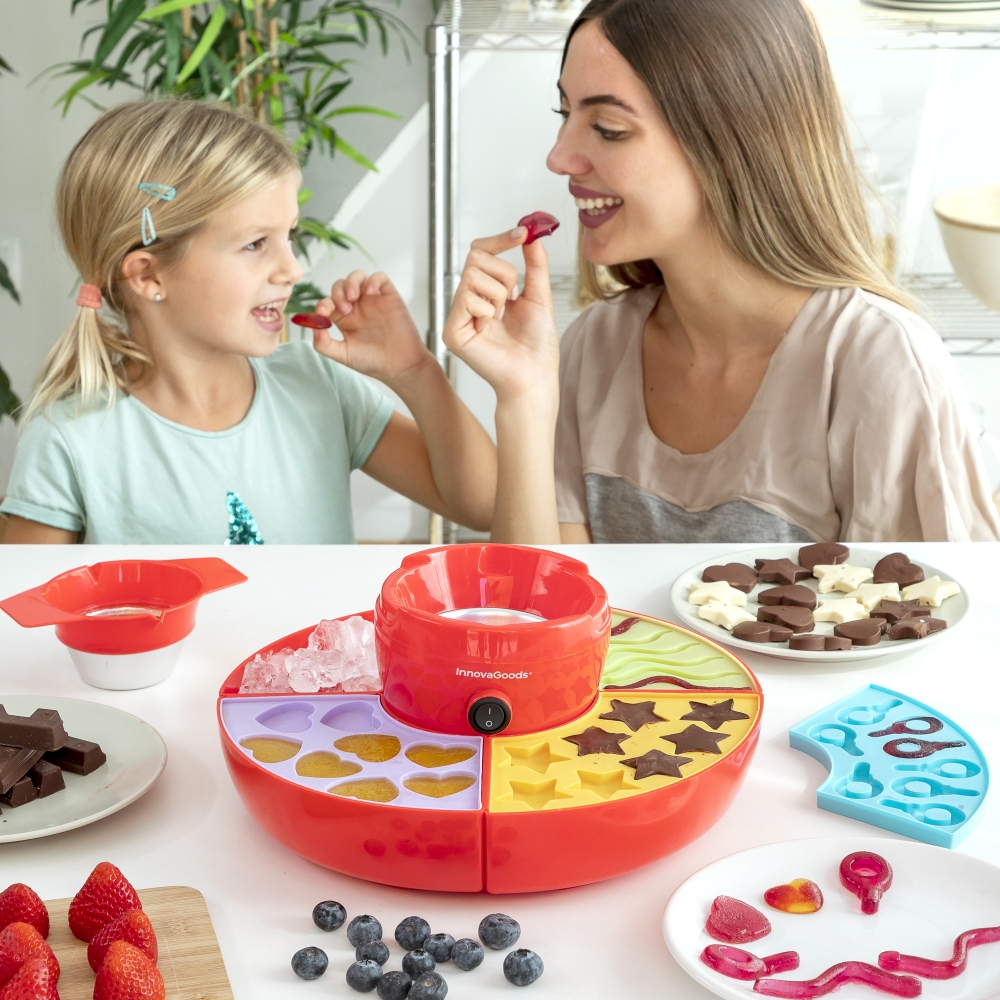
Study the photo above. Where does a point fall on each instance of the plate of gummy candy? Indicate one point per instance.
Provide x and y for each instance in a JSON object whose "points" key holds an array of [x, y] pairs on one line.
{"points": [[866, 917], [822, 602]]}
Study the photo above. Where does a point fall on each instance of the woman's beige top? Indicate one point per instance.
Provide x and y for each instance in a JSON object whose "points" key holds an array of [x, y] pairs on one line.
{"points": [[860, 431]]}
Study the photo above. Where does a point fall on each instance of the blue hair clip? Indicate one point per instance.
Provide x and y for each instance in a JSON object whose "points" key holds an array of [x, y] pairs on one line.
{"points": [[165, 193]]}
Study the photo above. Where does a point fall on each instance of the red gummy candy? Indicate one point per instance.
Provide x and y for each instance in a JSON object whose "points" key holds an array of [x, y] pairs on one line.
{"points": [[868, 876], [798, 896], [538, 224], [739, 964], [835, 977], [312, 320], [929, 968], [736, 922]]}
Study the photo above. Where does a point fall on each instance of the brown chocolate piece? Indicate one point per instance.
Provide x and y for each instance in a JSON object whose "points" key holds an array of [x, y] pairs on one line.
{"points": [[737, 575], [908, 628], [893, 611], [933, 624], [15, 763], [23, 790], [714, 715], [77, 756], [47, 777], [635, 714], [863, 632], [596, 740], [823, 554], [782, 571], [816, 642], [897, 568], [761, 632], [42, 730], [657, 762], [696, 738], [797, 619], [794, 595]]}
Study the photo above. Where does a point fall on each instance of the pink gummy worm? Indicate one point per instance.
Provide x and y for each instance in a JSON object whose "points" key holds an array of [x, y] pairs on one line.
{"points": [[835, 977], [947, 969], [739, 964]]}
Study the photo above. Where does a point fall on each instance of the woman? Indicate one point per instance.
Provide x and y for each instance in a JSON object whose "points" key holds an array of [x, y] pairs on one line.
{"points": [[760, 378]]}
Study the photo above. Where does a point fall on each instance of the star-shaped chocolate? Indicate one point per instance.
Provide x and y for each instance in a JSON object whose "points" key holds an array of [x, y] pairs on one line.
{"points": [[781, 571], [894, 611], [635, 714], [657, 762], [596, 740], [696, 738], [713, 715]]}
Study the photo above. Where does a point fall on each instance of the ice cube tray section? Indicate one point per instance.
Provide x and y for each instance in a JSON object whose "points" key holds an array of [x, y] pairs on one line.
{"points": [[579, 765], [349, 746], [898, 764], [646, 654]]}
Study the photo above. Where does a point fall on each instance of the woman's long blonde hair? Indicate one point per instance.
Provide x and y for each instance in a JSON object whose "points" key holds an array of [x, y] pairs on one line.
{"points": [[746, 87], [213, 155]]}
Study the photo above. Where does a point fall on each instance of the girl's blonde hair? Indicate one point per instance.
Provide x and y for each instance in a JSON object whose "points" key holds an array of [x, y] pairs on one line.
{"points": [[746, 88], [213, 155]]}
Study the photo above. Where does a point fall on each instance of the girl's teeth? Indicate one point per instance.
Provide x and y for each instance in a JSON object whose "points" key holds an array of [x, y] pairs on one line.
{"points": [[597, 206]]}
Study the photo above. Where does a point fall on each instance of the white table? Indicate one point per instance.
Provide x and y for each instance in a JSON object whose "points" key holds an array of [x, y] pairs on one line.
{"points": [[597, 941]]}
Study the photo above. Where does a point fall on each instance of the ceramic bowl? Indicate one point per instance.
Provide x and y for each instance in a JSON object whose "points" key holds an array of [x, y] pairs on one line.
{"points": [[970, 227]]}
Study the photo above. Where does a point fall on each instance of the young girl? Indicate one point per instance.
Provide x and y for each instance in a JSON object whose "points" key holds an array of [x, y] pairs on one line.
{"points": [[168, 412]]}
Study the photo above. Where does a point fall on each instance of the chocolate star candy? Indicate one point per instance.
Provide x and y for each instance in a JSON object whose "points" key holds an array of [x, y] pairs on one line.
{"points": [[823, 553], [893, 611], [897, 568], [797, 619], [782, 571], [761, 632], [657, 762], [795, 596], [737, 575], [862, 631], [635, 714], [713, 715], [815, 642], [596, 740], [696, 738]]}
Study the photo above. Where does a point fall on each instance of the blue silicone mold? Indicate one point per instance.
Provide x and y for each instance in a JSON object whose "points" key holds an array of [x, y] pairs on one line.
{"points": [[935, 797]]}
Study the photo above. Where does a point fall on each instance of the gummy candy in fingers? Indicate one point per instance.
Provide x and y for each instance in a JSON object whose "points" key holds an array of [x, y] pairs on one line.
{"points": [[538, 224], [312, 320], [868, 876]]}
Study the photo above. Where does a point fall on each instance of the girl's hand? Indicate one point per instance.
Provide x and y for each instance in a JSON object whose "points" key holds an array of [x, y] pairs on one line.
{"points": [[509, 339], [380, 337]]}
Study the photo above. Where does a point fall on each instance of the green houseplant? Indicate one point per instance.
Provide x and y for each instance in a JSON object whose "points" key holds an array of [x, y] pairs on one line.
{"points": [[8, 401]]}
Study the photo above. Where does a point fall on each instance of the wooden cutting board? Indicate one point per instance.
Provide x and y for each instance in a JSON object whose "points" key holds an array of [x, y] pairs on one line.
{"points": [[189, 957]]}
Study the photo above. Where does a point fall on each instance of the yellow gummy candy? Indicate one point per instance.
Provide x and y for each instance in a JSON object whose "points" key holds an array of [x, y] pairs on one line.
{"points": [[323, 764], [438, 788], [370, 747], [269, 750], [428, 755], [368, 789]]}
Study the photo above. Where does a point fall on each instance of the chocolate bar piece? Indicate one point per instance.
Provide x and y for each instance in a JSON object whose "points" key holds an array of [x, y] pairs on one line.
{"points": [[47, 778], [42, 730], [77, 756], [23, 790], [15, 763]]}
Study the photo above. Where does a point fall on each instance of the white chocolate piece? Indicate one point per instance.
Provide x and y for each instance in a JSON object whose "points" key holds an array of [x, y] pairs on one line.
{"points": [[842, 577], [841, 610], [720, 592], [726, 615], [932, 591], [870, 594]]}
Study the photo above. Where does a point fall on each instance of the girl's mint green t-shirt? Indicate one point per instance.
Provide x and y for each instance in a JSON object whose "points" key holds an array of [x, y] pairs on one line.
{"points": [[127, 475]]}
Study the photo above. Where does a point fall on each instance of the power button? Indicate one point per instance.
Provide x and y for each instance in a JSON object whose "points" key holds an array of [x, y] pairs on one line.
{"points": [[489, 716]]}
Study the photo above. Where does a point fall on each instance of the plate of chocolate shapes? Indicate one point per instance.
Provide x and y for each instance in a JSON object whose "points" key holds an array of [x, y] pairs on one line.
{"points": [[65, 763], [866, 917], [824, 602]]}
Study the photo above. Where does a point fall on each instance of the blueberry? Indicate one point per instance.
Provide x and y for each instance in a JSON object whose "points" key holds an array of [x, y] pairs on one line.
{"points": [[375, 950], [309, 963], [467, 954], [328, 915], [498, 931], [439, 947], [394, 986], [412, 932], [365, 928], [522, 967], [429, 986], [364, 976], [417, 962]]}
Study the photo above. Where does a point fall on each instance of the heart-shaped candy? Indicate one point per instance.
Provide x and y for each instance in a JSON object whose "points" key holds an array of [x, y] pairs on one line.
{"points": [[735, 922], [761, 632], [815, 642], [797, 619], [431, 755], [897, 568], [798, 896], [829, 553], [737, 575], [438, 788], [795, 595], [862, 632]]}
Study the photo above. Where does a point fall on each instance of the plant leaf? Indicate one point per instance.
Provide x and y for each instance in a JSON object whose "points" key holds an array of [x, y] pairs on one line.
{"points": [[9, 403], [121, 20], [208, 36], [4, 65], [168, 7], [352, 154], [7, 283], [361, 109]]}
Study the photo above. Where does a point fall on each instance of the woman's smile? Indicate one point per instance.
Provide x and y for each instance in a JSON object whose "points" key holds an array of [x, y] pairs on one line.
{"points": [[596, 207]]}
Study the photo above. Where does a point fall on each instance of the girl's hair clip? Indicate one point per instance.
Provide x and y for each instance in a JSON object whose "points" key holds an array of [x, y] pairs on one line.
{"points": [[165, 193]]}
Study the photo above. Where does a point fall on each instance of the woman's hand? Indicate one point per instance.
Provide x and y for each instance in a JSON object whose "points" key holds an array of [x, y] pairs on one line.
{"points": [[380, 337]]}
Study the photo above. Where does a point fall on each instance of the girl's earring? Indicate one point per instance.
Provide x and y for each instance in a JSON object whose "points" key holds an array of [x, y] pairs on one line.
{"points": [[157, 297]]}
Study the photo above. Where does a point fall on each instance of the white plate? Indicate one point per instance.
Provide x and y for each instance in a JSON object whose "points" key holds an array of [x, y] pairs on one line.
{"points": [[953, 610], [136, 757], [935, 895], [937, 6]]}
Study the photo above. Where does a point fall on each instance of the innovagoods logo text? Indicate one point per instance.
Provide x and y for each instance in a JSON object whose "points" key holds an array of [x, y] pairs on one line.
{"points": [[493, 675]]}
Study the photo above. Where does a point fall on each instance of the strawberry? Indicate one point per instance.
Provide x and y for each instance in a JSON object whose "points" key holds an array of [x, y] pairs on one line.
{"points": [[18, 902], [132, 926], [33, 981], [19, 943], [105, 896], [128, 975]]}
